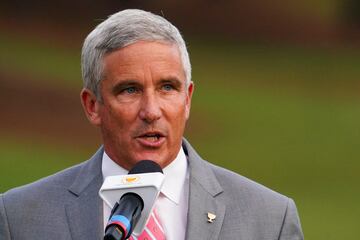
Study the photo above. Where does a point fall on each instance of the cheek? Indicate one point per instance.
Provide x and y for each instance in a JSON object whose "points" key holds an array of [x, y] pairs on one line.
{"points": [[112, 123], [179, 115], [107, 115], [120, 114]]}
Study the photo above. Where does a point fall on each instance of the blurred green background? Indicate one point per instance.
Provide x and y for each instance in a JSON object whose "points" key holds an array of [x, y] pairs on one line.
{"points": [[276, 95]]}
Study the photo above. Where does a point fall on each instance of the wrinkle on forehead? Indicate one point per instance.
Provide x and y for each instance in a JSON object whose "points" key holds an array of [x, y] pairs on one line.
{"points": [[139, 56]]}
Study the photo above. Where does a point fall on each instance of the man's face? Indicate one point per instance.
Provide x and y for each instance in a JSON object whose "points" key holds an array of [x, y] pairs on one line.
{"points": [[145, 103]]}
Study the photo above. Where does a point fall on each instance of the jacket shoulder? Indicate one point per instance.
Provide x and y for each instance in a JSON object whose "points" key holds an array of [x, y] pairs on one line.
{"points": [[263, 212], [53, 185], [237, 184]]}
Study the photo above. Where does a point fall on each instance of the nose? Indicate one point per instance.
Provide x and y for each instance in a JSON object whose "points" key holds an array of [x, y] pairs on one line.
{"points": [[150, 110]]}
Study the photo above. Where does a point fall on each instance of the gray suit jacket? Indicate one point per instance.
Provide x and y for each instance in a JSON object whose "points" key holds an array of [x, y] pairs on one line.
{"points": [[67, 206]]}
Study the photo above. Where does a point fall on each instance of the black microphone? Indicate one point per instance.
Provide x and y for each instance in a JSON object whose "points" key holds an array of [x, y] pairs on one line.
{"points": [[126, 213]]}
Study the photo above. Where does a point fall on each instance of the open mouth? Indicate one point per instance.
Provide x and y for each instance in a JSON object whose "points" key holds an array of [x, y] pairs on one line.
{"points": [[151, 137]]}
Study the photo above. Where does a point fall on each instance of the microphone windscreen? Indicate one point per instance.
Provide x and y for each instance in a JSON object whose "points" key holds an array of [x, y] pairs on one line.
{"points": [[145, 166]]}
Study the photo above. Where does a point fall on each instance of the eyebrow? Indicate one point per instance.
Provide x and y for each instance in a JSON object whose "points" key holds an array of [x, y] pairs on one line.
{"points": [[173, 80], [118, 87]]}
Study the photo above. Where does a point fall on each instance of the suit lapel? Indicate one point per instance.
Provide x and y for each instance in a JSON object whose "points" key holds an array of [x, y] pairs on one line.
{"points": [[203, 190], [84, 210]]}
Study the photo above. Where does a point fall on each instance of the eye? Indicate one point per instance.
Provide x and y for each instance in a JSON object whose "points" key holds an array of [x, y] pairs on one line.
{"points": [[130, 90], [167, 87]]}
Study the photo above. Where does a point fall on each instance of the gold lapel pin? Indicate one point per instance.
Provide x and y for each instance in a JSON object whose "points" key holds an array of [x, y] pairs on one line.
{"points": [[211, 217]]}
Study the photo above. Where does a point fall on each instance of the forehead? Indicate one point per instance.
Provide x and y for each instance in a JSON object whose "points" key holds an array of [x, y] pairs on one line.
{"points": [[144, 57]]}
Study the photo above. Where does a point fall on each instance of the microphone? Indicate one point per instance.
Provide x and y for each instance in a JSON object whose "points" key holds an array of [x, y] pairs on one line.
{"points": [[124, 215], [127, 212]]}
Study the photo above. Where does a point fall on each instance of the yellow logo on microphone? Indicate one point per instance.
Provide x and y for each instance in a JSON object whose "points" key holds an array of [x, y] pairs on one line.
{"points": [[131, 179]]}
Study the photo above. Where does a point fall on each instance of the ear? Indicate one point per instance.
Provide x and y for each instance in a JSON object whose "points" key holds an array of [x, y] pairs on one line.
{"points": [[189, 92], [91, 106]]}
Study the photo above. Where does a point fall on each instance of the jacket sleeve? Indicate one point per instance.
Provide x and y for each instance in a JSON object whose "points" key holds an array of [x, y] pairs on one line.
{"points": [[4, 225], [291, 228]]}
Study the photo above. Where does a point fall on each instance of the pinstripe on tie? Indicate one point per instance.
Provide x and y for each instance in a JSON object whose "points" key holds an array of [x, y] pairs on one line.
{"points": [[153, 229]]}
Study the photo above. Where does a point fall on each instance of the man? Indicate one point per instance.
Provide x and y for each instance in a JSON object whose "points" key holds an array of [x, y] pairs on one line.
{"points": [[137, 90]]}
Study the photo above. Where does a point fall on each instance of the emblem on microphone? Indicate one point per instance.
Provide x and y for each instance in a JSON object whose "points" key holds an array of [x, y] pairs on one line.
{"points": [[131, 179]]}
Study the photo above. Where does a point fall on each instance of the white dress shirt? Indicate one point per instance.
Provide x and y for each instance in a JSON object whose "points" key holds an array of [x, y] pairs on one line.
{"points": [[172, 203]]}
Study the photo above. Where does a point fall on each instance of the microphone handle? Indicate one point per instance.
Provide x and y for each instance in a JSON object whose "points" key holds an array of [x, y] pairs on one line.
{"points": [[124, 217], [114, 233]]}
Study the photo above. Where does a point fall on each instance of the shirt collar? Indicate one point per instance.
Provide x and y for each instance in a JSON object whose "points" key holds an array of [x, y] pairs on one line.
{"points": [[175, 174]]}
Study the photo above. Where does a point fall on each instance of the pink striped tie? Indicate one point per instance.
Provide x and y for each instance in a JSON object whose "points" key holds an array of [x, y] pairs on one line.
{"points": [[153, 229]]}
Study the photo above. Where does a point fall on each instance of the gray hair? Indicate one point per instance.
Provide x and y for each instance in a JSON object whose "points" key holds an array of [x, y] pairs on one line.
{"points": [[120, 30]]}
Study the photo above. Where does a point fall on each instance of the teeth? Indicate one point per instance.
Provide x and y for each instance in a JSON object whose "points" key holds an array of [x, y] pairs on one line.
{"points": [[152, 138]]}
